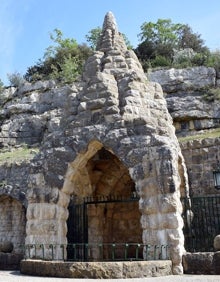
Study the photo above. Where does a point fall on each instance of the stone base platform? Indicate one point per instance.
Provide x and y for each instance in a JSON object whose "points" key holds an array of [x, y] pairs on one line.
{"points": [[97, 270]]}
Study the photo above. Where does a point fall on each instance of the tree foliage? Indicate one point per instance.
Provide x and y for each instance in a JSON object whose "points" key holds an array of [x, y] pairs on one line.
{"points": [[160, 39], [93, 36], [62, 61], [162, 44]]}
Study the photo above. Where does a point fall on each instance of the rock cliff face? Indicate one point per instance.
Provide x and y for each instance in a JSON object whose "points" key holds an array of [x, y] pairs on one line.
{"points": [[183, 80], [109, 134], [185, 95]]}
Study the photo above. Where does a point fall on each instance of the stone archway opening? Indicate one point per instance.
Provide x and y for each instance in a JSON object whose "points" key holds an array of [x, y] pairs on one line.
{"points": [[13, 224], [103, 201]]}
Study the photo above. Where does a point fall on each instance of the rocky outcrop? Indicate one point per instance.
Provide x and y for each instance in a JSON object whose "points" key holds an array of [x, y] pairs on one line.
{"points": [[192, 113], [31, 111], [186, 91], [181, 80]]}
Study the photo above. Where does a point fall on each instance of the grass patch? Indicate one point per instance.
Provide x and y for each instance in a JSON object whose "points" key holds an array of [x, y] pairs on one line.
{"points": [[18, 155], [208, 134]]}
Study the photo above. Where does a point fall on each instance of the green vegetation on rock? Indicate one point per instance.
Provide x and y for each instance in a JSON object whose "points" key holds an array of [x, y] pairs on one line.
{"points": [[206, 134], [17, 155]]}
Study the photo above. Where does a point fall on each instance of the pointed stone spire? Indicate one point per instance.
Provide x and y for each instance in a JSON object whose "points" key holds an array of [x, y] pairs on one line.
{"points": [[110, 37], [110, 22]]}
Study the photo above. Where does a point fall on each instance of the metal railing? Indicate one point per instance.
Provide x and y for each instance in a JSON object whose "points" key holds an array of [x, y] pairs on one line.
{"points": [[96, 252]]}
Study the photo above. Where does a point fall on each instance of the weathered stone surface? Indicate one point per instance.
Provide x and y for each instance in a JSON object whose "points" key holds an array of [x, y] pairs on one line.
{"points": [[191, 112], [12, 231], [217, 243], [6, 247], [200, 156], [97, 270], [198, 263], [186, 90], [174, 80], [216, 262]]}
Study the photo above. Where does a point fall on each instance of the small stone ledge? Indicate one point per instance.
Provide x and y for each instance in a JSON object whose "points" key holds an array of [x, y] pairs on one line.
{"points": [[97, 270]]}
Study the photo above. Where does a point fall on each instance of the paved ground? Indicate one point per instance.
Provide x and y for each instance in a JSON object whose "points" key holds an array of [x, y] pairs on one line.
{"points": [[15, 276]]}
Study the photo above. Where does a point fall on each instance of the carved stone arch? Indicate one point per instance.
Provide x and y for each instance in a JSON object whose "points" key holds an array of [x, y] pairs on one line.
{"points": [[81, 175], [98, 173]]}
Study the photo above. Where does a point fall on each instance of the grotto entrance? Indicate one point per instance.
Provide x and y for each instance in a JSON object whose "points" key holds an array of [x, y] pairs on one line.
{"points": [[104, 224]]}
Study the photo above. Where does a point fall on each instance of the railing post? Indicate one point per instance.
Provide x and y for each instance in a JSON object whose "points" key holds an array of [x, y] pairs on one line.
{"points": [[113, 252], [52, 250], [63, 253], [147, 248], [101, 251], [42, 247], [126, 251], [137, 251]]}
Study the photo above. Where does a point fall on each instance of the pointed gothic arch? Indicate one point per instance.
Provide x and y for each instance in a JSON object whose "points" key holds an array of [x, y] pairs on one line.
{"points": [[107, 216]]}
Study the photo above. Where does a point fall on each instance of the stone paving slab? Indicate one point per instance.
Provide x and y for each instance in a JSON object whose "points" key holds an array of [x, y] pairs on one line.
{"points": [[15, 276]]}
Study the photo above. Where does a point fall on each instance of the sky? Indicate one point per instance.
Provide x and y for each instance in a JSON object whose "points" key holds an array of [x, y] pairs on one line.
{"points": [[25, 25]]}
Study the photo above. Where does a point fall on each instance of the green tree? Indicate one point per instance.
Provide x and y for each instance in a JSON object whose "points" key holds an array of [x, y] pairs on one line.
{"points": [[160, 39], [64, 56], [162, 32], [189, 39], [93, 37]]}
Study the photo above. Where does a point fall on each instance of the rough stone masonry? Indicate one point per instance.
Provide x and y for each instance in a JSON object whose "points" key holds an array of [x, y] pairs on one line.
{"points": [[115, 112]]}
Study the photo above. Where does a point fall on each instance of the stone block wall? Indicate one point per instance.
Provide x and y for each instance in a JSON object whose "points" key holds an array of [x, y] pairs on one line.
{"points": [[13, 221], [201, 158]]}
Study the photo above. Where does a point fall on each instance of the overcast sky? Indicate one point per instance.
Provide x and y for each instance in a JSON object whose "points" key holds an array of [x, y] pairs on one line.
{"points": [[25, 24]]}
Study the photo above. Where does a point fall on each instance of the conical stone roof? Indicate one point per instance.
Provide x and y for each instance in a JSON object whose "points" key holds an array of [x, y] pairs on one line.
{"points": [[116, 86]]}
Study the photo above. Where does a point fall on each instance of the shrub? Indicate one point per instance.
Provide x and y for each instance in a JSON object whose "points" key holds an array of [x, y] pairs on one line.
{"points": [[62, 61], [1, 86], [15, 79], [160, 61], [213, 60], [200, 59], [212, 94]]}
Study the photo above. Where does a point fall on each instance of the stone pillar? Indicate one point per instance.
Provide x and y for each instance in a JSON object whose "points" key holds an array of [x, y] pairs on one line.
{"points": [[160, 204], [46, 226], [162, 225]]}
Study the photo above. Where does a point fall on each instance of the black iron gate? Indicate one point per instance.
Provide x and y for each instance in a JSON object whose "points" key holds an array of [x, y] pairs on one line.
{"points": [[77, 233], [201, 222], [77, 224]]}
